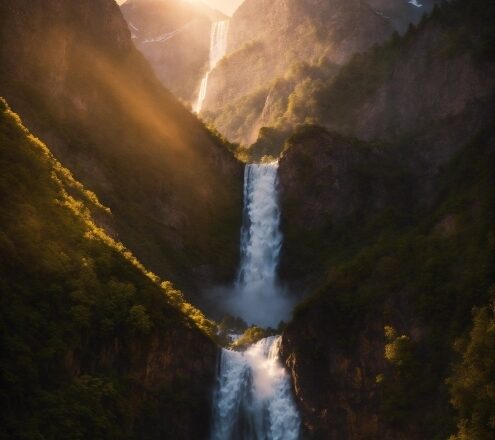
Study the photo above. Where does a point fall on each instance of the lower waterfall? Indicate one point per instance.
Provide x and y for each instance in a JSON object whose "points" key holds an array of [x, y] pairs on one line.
{"points": [[253, 399]]}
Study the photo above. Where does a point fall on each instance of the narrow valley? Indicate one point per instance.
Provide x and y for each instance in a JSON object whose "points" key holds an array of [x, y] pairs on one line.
{"points": [[247, 220]]}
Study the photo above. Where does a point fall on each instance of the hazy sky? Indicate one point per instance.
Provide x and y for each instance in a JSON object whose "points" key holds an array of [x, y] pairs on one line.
{"points": [[226, 6]]}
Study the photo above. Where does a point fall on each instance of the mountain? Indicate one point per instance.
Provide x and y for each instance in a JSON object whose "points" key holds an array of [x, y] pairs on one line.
{"points": [[282, 45], [266, 38], [174, 36], [89, 338], [72, 72], [387, 213]]}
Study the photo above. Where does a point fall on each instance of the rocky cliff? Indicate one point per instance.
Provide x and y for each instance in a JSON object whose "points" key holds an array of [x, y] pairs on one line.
{"points": [[174, 36], [71, 70], [92, 345]]}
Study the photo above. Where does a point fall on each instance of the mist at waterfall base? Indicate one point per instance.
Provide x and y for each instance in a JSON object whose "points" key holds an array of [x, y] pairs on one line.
{"points": [[253, 399]]}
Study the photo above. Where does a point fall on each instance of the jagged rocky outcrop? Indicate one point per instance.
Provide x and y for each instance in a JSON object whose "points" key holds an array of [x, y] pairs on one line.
{"points": [[388, 205], [72, 72], [174, 36], [343, 185]]}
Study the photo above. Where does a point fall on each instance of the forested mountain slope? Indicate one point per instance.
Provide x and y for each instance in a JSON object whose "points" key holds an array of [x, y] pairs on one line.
{"points": [[72, 72], [388, 214], [88, 337]]}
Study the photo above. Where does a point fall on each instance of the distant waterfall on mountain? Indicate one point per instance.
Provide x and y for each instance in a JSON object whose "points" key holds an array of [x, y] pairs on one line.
{"points": [[257, 297], [253, 399], [218, 49]]}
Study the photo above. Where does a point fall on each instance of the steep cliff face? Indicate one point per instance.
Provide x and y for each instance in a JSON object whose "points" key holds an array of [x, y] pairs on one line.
{"points": [[267, 37], [71, 70], [92, 345], [174, 36], [391, 233]]}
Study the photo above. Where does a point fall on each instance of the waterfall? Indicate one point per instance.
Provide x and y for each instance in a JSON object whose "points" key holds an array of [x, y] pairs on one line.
{"points": [[253, 399], [257, 297], [218, 42], [218, 49]]}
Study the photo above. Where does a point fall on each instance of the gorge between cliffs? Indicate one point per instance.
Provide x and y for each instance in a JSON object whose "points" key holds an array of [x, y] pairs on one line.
{"points": [[247, 220]]}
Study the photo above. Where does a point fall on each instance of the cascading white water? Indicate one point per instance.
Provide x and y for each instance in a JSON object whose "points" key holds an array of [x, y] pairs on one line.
{"points": [[257, 297], [253, 399], [218, 49]]}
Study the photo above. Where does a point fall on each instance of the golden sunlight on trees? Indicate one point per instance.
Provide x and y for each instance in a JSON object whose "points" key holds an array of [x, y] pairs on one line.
{"points": [[472, 383]]}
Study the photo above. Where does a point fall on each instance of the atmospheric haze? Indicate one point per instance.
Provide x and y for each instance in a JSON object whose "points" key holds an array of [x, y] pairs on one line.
{"points": [[226, 6]]}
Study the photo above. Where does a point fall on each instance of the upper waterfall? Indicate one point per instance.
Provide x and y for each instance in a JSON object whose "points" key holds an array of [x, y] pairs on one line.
{"points": [[218, 49], [257, 297]]}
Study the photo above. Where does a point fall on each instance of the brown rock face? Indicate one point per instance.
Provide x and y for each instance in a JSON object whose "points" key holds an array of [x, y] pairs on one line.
{"points": [[421, 86], [336, 370], [72, 72], [376, 252]]}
